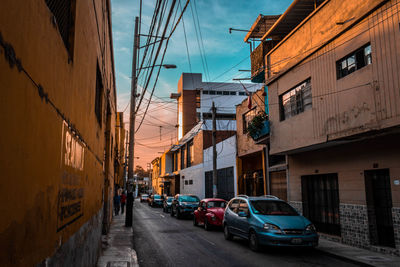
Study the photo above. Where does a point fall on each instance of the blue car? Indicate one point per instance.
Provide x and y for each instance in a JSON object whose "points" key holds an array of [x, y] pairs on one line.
{"points": [[267, 220]]}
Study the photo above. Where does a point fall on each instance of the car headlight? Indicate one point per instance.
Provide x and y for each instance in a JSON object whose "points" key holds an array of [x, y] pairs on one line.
{"points": [[311, 228], [272, 228], [213, 217]]}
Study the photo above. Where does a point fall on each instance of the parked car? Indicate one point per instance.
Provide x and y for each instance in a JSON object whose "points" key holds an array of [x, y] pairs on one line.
{"points": [[156, 201], [210, 213], [144, 197], [267, 220], [184, 205], [167, 204]]}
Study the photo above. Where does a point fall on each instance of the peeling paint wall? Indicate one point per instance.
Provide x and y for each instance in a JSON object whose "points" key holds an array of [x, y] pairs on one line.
{"points": [[56, 158]]}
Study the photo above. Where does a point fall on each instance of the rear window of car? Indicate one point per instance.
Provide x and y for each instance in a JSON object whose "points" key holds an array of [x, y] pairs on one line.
{"points": [[157, 197], [189, 199], [216, 204], [268, 207], [169, 199]]}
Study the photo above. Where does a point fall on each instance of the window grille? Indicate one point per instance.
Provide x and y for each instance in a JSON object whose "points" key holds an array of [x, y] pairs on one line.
{"points": [[99, 96], [63, 14], [355, 61], [296, 100]]}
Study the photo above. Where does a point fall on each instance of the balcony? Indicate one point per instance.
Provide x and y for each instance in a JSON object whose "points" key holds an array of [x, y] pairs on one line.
{"points": [[259, 127], [258, 65]]}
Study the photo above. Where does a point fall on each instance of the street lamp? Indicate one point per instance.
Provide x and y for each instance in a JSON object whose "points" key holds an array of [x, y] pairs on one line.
{"points": [[167, 66]]}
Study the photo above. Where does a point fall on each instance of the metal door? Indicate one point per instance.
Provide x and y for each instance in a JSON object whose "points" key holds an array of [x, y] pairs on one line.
{"points": [[379, 206], [320, 194]]}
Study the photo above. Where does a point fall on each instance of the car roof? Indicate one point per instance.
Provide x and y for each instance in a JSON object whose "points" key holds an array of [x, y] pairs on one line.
{"points": [[213, 199], [265, 197]]}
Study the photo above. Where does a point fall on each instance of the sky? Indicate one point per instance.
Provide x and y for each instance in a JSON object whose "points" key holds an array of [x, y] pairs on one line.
{"points": [[224, 54]]}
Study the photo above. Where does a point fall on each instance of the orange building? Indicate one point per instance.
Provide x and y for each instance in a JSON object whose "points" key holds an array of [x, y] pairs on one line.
{"points": [[58, 105]]}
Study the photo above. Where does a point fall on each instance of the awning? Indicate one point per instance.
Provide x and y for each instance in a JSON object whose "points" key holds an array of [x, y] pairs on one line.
{"points": [[261, 26], [292, 17]]}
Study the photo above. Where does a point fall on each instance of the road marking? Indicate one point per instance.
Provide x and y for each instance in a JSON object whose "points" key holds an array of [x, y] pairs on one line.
{"points": [[162, 215]]}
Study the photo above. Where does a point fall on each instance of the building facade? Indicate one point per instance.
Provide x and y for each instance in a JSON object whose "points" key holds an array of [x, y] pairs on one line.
{"points": [[58, 101], [334, 102]]}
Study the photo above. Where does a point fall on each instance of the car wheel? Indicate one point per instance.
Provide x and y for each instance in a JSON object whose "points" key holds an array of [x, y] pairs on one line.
{"points": [[253, 241], [207, 226], [227, 234], [178, 214], [195, 223]]}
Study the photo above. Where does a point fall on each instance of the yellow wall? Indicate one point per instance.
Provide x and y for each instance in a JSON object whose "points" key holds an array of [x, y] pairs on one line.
{"points": [[34, 169]]}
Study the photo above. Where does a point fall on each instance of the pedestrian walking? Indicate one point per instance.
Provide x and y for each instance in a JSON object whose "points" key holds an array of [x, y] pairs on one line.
{"points": [[117, 202], [123, 202]]}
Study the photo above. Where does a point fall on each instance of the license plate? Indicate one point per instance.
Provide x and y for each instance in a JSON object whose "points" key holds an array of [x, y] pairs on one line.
{"points": [[296, 241]]}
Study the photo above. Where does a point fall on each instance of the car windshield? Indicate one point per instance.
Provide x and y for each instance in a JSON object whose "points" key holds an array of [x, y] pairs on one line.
{"points": [[145, 195], [216, 204], [189, 199], [169, 199], [268, 207], [157, 197]]}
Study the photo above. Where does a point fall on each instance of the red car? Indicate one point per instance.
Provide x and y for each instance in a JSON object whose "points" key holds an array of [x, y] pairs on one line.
{"points": [[209, 213]]}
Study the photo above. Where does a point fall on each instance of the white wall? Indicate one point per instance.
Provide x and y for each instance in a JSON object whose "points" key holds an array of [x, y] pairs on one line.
{"points": [[226, 151], [195, 173]]}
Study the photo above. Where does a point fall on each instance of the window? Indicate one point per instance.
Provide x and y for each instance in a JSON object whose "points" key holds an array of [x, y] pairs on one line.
{"points": [[175, 161], [219, 92], [219, 116], [99, 96], [247, 117], [198, 100], [225, 92], [183, 157], [64, 13], [205, 92], [186, 182], [190, 181], [189, 154], [296, 100], [243, 207], [354, 61], [242, 93], [234, 205], [212, 92], [232, 93]]}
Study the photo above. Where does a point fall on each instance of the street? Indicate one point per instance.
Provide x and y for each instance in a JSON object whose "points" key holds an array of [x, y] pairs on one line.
{"points": [[162, 240]]}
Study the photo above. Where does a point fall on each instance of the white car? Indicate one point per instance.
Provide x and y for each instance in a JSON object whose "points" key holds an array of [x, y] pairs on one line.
{"points": [[144, 197]]}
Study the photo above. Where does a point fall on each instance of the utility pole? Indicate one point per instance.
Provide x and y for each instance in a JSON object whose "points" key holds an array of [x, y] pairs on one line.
{"points": [[214, 143], [132, 117]]}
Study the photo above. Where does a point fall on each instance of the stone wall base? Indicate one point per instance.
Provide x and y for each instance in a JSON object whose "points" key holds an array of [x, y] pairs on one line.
{"points": [[82, 249], [355, 230]]}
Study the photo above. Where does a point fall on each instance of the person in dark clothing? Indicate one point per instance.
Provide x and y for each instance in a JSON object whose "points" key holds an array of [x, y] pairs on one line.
{"points": [[117, 202], [123, 202]]}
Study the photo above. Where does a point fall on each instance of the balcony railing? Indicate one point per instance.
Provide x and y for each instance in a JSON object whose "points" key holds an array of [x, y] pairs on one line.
{"points": [[258, 65], [258, 127], [260, 133]]}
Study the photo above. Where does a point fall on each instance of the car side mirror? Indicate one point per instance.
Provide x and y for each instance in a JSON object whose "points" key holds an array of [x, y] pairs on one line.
{"points": [[242, 214]]}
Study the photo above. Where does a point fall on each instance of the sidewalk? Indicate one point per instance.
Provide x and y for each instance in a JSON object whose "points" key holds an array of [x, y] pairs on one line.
{"points": [[117, 246], [361, 257]]}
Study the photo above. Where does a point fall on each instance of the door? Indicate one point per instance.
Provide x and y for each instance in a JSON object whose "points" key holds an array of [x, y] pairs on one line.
{"points": [[278, 184], [177, 184], [320, 195], [225, 186], [242, 222], [208, 184], [379, 207]]}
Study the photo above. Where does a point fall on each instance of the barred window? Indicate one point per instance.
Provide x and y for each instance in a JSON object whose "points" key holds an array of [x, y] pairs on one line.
{"points": [[296, 100], [63, 12], [355, 61]]}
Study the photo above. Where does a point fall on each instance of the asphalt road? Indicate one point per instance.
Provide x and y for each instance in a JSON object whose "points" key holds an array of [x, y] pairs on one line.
{"points": [[162, 240]]}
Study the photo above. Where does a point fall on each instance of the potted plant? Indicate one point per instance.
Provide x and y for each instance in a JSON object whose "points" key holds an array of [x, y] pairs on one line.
{"points": [[256, 125]]}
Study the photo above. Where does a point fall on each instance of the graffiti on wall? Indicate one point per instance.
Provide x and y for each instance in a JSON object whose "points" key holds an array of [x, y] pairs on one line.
{"points": [[71, 191]]}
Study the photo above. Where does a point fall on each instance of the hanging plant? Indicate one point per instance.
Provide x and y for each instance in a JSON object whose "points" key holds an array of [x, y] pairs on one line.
{"points": [[256, 124]]}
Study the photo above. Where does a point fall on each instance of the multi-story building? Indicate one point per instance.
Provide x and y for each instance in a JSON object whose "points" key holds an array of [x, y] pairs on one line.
{"points": [[183, 165], [58, 104], [334, 108]]}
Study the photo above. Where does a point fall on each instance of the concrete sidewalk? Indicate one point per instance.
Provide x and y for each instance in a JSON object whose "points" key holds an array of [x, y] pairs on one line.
{"points": [[118, 246], [361, 257]]}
